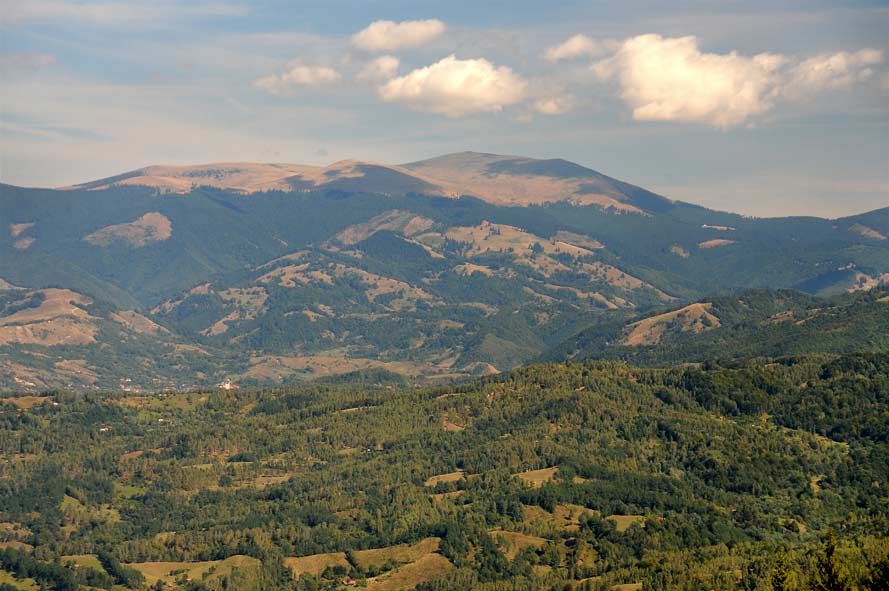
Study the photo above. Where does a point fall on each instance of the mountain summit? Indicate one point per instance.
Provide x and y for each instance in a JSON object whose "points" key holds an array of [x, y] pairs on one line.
{"points": [[496, 179]]}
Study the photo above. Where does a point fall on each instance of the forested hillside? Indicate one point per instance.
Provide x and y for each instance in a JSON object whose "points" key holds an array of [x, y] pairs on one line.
{"points": [[593, 475], [751, 323], [464, 265]]}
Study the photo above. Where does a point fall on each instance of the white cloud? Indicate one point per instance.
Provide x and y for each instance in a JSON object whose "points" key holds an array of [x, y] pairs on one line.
{"points": [[297, 75], [382, 68], [579, 46], [392, 36], [670, 79], [455, 87], [25, 61], [556, 105], [834, 71], [108, 12]]}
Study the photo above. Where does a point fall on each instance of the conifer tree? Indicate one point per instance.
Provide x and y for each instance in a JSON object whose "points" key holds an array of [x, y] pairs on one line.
{"points": [[827, 569], [780, 578]]}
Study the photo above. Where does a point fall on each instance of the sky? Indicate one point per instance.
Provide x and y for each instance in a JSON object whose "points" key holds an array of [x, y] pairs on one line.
{"points": [[764, 108]]}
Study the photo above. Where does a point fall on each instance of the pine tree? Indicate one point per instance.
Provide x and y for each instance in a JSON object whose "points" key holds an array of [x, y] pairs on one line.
{"points": [[780, 578], [827, 573]]}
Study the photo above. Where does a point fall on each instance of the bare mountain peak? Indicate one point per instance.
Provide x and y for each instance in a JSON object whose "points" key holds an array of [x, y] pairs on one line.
{"points": [[498, 179]]}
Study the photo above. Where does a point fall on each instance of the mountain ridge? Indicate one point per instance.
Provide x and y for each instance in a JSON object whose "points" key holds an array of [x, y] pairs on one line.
{"points": [[365, 273], [489, 177], [449, 163]]}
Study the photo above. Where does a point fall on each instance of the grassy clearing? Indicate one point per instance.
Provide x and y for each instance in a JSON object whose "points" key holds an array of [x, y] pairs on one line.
{"points": [[402, 553], [275, 368], [16, 545], [127, 491], [169, 571], [566, 517], [316, 563], [23, 584], [450, 426], [537, 478], [263, 481], [15, 528], [446, 496], [410, 575], [511, 542], [449, 477], [89, 560], [624, 522], [694, 318]]}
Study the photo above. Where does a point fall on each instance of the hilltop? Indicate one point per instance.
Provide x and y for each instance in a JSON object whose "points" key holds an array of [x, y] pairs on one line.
{"points": [[501, 180]]}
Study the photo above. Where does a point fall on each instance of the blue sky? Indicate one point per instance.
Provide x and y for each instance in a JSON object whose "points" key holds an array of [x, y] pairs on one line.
{"points": [[764, 108]]}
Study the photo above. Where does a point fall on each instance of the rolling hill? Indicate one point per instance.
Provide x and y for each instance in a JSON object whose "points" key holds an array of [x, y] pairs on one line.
{"points": [[460, 265], [596, 475], [756, 323]]}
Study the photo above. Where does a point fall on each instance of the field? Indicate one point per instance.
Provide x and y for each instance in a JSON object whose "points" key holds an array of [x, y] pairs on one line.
{"points": [[316, 563], [565, 517], [400, 554], [168, 572], [537, 478], [449, 477], [423, 569], [623, 522], [22, 584], [511, 543], [89, 560], [695, 318]]}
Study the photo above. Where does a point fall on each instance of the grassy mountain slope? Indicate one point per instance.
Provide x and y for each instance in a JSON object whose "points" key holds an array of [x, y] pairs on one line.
{"points": [[748, 324], [394, 277], [59, 338]]}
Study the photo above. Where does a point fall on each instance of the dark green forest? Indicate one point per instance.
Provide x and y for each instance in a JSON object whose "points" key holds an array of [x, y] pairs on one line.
{"points": [[755, 474]]}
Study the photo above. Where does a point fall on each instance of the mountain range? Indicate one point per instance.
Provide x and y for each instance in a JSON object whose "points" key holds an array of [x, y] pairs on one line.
{"points": [[464, 264]]}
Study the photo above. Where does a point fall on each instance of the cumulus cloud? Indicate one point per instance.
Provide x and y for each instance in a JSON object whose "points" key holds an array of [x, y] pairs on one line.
{"points": [[666, 79], [455, 87], [392, 36], [297, 75], [382, 68], [836, 71], [579, 46], [556, 105], [671, 79]]}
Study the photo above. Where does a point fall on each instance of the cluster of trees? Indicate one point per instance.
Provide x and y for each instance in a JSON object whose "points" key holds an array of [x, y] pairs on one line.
{"points": [[53, 574], [722, 467]]}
